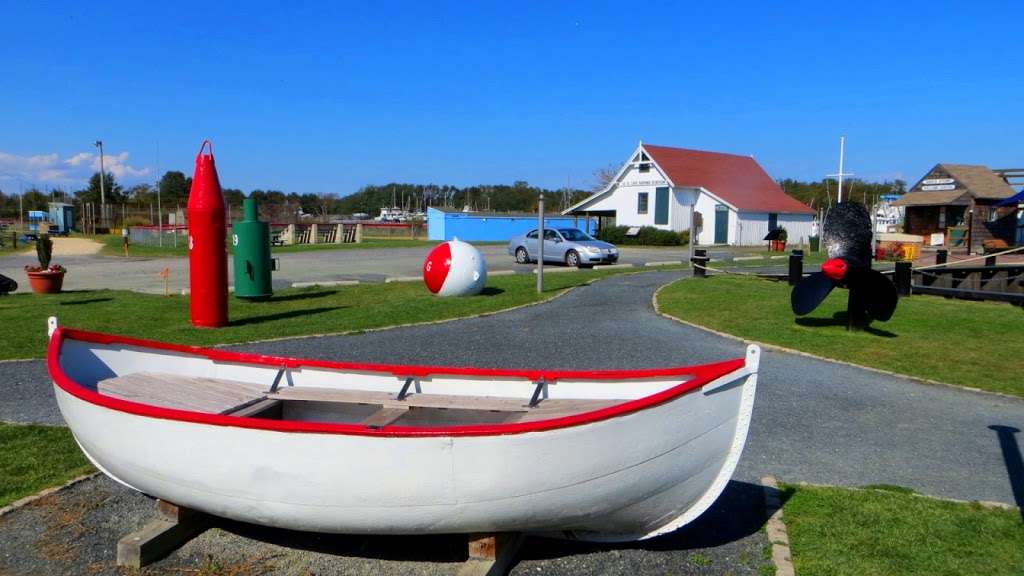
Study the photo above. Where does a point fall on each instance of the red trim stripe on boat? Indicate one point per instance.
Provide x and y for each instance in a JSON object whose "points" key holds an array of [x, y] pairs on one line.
{"points": [[700, 375]]}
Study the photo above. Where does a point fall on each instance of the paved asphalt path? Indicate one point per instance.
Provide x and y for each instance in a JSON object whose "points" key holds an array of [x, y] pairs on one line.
{"points": [[814, 421], [91, 272]]}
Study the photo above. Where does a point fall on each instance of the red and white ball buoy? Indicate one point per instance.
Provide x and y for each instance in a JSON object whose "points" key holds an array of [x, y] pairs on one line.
{"points": [[455, 268]]}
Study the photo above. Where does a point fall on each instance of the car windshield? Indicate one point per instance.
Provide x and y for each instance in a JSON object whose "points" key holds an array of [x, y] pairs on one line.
{"points": [[575, 235]]}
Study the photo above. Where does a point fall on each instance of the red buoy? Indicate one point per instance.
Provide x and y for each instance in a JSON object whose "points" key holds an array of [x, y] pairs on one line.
{"points": [[207, 253]]}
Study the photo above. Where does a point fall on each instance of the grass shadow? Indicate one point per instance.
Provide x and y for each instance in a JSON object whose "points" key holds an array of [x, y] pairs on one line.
{"points": [[282, 315], [301, 296], [492, 291], [841, 319], [86, 301]]}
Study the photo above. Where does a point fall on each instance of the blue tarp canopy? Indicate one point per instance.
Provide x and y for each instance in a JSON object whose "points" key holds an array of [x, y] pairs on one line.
{"points": [[1017, 198]]}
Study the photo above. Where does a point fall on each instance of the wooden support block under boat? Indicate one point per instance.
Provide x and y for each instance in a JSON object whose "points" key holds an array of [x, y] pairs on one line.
{"points": [[491, 554], [174, 527]]}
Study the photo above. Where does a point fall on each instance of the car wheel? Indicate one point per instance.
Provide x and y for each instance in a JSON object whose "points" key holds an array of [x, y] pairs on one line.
{"points": [[572, 259], [521, 256]]}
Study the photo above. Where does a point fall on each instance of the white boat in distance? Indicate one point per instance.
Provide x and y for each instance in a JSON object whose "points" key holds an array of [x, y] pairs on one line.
{"points": [[356, 448]]}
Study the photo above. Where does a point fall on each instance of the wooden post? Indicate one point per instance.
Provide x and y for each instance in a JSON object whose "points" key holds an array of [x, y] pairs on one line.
{"points": [[970, 227], [901, 277], [359, 233], [491, 554], [941, 256], [174, 527], [339, 234], [796, 267], [699, 261], [314, 233]]}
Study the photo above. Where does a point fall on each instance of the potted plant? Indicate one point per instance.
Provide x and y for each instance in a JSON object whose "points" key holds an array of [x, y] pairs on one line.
{"points": [[779, 244], [45, 278]]}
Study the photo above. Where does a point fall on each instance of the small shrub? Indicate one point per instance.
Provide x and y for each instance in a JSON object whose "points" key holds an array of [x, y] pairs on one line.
{"points": [[136, 221], [647, 236]]}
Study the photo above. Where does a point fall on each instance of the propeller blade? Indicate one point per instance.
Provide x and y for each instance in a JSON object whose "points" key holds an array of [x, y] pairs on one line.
{"points": [[810, 292], [879, 293]]}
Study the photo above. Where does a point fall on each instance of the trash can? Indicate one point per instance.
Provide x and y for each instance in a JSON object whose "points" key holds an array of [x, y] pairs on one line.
{"points": [[814, 243], [251, 241]]}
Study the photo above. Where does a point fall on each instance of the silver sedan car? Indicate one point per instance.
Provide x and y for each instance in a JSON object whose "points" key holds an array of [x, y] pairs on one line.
{"points": [[572, 246]]}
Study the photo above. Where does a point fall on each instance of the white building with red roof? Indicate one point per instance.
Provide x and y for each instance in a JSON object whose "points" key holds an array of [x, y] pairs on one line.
{"points": [[737, 202]]}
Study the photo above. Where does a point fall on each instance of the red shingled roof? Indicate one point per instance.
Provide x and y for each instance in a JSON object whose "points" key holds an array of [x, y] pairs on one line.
{"points": [[739, 180]]}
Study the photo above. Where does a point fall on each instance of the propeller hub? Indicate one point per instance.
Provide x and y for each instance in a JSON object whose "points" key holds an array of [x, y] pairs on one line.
{"points": [[835, 269]]}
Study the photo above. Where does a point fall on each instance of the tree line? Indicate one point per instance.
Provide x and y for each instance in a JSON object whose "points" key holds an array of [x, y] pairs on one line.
{"points": [[823, 193], [173, 190]]}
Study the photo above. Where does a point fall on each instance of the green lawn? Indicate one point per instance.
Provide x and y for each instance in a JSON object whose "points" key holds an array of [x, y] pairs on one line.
{"points": [[36, 457], [294, 312], [114, 246], [839, 532], [979, 344], [811, 259]]}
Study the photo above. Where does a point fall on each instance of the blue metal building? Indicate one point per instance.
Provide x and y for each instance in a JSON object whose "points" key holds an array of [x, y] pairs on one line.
{"points": [[448, 223]]}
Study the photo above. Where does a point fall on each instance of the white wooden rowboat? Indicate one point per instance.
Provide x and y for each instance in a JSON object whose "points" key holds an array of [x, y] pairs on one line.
{"points": [[385, 449]]}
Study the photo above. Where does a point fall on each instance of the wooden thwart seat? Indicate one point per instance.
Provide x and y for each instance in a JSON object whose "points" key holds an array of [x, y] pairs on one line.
{"points": [[209, 395], [244, 399]]}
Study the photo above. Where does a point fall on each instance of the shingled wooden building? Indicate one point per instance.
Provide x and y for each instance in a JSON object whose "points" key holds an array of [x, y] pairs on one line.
{"points": [[959, 201]]}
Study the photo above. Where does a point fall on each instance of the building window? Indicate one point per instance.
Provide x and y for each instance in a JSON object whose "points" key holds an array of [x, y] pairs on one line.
{"points": [[773, 221], [641, 203], [645, 168]]}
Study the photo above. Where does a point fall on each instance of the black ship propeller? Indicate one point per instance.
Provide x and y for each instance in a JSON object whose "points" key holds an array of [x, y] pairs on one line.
{"points": [[847, 237]]}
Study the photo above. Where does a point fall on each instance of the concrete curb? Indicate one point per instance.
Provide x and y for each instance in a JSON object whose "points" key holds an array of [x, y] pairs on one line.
{"points": [[663, 263], [990, 504], [777, 348], [44, 493], [776, 528], [391, 279]]}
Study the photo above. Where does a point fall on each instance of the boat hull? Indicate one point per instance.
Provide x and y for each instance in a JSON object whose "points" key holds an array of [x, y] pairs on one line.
{"points": [[627, 477]]}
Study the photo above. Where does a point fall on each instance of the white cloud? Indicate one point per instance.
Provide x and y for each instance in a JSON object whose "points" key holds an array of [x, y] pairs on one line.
{"points": [[78, 159], [52, 170]]}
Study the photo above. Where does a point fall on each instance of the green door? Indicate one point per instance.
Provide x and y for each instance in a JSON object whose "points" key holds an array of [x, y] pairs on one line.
{"points": [[661, 205], [721, 224]]}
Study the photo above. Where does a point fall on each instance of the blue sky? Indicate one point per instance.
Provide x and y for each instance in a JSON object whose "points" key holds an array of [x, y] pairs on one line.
{"points": [[333, 97]]}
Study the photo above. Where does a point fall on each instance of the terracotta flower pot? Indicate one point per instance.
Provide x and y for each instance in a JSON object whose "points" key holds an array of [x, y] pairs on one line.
{"points": [[46, 282]]}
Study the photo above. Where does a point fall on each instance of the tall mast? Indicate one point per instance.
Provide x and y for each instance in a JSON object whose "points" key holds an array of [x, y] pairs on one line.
{"points": [[842, 149]]}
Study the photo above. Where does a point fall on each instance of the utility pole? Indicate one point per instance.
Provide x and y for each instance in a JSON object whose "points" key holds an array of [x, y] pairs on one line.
{"points": [[540, 244], [103, 194], [159, 205]]}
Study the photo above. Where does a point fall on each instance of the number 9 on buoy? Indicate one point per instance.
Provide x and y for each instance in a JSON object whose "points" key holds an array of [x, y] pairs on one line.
{"points": [[455, 268]]}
